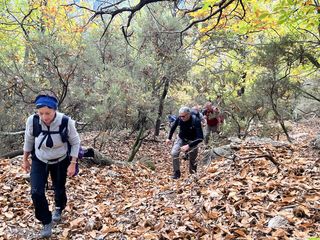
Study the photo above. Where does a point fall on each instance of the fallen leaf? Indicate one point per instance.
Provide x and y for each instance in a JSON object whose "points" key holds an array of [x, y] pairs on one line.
{"points": [[76, 222]]}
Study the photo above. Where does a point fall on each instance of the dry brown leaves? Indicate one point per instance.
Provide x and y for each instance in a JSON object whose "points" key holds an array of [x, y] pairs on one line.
{"points": [[229, 199]]}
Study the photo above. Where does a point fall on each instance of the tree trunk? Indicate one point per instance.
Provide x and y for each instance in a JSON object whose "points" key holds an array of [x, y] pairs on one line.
{"points": [[137, 144], [90, 154], [93, 155], [277, 114], [161, 106], [140, 137], [12, 154]]}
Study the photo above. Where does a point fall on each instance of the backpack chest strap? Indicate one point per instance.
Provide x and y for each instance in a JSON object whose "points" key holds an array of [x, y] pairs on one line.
{"points": [[37, 130], [47, 135]]}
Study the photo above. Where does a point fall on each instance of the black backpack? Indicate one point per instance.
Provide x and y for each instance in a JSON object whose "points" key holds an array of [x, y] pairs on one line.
{"points": [[197, 115], [63, 131]]}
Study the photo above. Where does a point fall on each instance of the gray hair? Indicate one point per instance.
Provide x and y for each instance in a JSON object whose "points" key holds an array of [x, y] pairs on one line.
{"points": [[184, 110]]}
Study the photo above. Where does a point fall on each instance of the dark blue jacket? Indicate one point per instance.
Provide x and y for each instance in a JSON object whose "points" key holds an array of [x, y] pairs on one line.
{"points": [[190, 130]]}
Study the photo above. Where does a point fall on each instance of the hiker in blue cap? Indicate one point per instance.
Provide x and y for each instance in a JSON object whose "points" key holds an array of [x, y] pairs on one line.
{"points": [[53, 150]]}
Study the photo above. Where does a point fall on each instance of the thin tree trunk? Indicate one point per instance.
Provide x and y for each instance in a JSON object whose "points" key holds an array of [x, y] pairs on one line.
{"points": [[12, 154], [136, 145], [277, 114], [161, 106], [140, 137]]}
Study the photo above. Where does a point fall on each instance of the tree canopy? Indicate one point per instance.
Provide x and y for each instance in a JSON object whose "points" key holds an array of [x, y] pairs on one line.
{"points": [[110, 61]]}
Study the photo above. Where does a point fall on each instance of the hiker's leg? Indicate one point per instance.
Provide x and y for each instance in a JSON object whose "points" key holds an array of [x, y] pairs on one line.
{"points": [[39, 177], [215, 132], [207, 134], [58, 174], [175, 154], [219, 128], [193, 153]]}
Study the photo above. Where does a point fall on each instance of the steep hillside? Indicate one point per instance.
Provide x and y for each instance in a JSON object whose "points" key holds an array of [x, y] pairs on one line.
{"points": [[266, 190]]}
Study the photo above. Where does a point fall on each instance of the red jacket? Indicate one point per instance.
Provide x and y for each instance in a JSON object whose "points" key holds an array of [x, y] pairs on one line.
{"points": [[212, 116]]}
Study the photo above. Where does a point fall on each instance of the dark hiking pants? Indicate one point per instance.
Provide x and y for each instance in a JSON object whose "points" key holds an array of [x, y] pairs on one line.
{"points": [[39, 177]]}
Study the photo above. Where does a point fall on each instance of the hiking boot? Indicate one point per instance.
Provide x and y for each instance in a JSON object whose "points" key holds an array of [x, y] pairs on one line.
{"points": [[185, 156], [176, 175], [193, 170], [56, 216], [46, 231]]}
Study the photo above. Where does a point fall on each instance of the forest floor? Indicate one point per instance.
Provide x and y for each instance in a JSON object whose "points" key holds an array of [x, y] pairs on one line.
{"points": [[266, 192]]}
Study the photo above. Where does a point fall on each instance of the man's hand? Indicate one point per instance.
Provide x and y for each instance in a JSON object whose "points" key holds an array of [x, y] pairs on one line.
{"points": [[185, 148], [168, 141]]}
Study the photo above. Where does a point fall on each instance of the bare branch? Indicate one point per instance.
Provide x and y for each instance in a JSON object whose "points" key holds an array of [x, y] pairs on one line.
{"points": [[112, 11], [308, 31], [131, 10], [21, 23], [308, 94], [222, 5], [192, 10], [12, 133], [79, 6]]}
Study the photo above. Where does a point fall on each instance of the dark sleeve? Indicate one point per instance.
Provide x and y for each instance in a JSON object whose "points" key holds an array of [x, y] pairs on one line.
{"points": [[204, 113], [173, 128], [199, 134]]}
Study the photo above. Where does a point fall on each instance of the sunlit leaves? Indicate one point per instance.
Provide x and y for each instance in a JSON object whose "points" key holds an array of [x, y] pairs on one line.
{"points": [[283, 16], [32, 20], [66, 22]]}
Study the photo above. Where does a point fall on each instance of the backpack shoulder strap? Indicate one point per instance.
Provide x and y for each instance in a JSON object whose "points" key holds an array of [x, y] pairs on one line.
{"points": [[63, 128], [36, 125], [64, 122], [195, 120], [179, 121]]}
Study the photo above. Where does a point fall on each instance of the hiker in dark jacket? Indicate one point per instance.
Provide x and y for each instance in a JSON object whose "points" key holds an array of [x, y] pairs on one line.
{"points": [[189, 137], [49, 154]]}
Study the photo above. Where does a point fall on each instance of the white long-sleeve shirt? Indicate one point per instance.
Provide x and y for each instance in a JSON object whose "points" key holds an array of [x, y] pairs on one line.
{"points": [[59, 148]]}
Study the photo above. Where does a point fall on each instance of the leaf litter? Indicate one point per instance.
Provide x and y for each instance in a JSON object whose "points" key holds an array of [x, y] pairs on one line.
{"points": [[248, 196]]}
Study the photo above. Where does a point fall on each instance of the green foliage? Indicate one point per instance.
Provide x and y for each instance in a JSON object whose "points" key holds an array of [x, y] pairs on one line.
{"points": [[107, 83]]}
